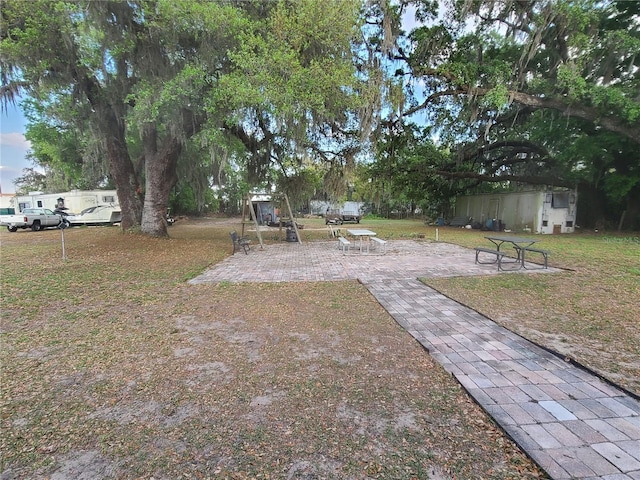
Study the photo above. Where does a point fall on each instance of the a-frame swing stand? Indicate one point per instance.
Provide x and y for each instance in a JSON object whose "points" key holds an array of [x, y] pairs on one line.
{"points": [[247, 204], [250, 219], [294, 225]]}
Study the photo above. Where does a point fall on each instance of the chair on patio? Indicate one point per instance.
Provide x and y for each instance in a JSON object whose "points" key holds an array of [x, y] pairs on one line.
{"points": [[333, 232], [240, 242]]}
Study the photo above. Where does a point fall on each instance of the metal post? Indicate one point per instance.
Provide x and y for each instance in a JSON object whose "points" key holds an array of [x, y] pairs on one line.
{"points": [[64, 253]]}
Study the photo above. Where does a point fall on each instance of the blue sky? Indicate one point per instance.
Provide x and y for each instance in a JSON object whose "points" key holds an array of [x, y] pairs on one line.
{"points": [[13, 147]]}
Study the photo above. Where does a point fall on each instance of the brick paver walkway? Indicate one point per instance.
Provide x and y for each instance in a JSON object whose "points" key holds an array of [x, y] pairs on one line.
{"points": [[574, 425]]}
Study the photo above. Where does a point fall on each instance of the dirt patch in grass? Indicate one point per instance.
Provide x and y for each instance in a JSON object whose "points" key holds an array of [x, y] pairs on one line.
{"points": [[114, 367]]}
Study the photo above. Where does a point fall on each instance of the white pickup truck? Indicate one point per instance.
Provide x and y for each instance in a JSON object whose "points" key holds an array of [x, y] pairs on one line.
{"points": [[34, 218]]}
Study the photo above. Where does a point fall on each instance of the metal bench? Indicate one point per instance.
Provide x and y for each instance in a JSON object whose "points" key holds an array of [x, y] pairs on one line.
{"points": [[497, 253], [381, 243], [240, 242], [544, 253], [343, 244]]}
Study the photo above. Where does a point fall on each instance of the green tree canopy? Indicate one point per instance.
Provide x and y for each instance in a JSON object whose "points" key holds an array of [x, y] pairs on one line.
{"points": [[536, 93], [148, 75]]}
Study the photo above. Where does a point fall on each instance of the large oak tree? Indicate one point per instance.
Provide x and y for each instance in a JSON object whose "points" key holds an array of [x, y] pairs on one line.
{"points": [[531, 92], [146, 76]]}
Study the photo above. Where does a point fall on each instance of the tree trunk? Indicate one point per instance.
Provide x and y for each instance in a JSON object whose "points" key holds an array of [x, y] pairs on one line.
{"points": [[631, 221], [122, 169], [591, 208], [160, 177], [127, 184]]}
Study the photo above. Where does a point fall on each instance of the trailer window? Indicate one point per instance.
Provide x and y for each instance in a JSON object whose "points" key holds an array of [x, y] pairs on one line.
{"points": [[109, 199]]}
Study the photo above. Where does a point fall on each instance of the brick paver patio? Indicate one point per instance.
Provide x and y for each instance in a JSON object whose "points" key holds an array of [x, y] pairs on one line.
{"points": [[573, 424]]}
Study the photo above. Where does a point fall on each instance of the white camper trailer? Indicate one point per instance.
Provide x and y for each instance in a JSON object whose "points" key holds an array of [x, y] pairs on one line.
{"points": [[74, 201], [545, 211]]}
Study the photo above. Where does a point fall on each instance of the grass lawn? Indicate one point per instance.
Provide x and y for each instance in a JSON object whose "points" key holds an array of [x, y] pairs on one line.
{"points": [[114, 367]]}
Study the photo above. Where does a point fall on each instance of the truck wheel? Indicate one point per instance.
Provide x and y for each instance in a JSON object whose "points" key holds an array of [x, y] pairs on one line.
{"points": [[36, 227], [12, 229]]}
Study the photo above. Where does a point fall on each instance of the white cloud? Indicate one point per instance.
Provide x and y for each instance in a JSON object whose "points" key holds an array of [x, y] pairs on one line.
{"points": [[14, 139]]}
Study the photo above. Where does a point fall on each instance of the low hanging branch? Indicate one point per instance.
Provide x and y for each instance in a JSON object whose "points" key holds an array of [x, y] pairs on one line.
{"points": [[612, 124], [508, 160], [573, 110], [529, 179], [516, 146]]}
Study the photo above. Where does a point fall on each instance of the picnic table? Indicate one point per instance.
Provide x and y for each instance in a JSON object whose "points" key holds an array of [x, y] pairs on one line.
{"points": [[362, 234], [521, 246]]}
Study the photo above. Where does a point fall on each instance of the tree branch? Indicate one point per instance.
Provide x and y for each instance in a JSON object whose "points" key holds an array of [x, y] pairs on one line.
{"points": [[9, 92], [529, 179], [432, 97], [609, 123], [515, 145]]}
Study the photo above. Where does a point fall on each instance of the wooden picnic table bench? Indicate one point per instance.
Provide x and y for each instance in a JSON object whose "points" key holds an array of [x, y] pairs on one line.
{"points": [[343, 244], [363, 236], [381, 243]]}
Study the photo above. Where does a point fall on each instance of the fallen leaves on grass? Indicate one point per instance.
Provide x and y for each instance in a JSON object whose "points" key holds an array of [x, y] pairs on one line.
{"points": [[147, 377]]}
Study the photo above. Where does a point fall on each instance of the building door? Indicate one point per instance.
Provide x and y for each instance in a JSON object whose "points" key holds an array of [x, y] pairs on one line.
{"points": [[557, 229]]}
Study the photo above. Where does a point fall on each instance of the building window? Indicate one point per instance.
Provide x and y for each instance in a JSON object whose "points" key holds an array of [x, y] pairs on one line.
{"points": [[39, 203], [545, 223], [569, 223], [560, 200], [109, 199]]}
